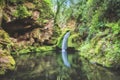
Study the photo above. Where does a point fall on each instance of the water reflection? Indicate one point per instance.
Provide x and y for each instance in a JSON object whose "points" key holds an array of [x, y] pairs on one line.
{"points": [[50, 66], [65, 58]]}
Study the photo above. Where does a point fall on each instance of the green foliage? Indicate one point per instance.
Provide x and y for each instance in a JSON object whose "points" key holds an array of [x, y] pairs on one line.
{"points": [[60, 9], [98, 23], [33, 49], [22, 12], [45, 9], [115, 27], [102, 50], [74, 40], [99, 19], [48, 2], [113, 54]]}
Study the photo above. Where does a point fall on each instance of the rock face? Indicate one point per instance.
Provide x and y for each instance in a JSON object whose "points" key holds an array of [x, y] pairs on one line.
{"points": [[29, 22], [25, 24], [19, 25]]}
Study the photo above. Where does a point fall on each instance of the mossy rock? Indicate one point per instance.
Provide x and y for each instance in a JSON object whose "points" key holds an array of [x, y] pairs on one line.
{"points": [[100, 50], [30, 49], [6, 62], [5, 40], [56, 34], [73, 40], [4, 36]]}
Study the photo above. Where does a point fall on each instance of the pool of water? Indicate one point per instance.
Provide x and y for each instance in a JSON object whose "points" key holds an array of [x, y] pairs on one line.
{"points": [[49, 66]]}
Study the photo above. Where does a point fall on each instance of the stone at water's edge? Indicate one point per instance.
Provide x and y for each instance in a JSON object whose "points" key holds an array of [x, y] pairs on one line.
{"points": [[6, 62]]}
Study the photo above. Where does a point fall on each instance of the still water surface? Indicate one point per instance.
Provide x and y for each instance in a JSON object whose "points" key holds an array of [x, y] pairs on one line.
{"points": [[50, 66]]}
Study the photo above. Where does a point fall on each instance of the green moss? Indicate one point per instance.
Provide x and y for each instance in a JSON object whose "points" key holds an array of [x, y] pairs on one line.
{"points": [[73, 40], [23, 51], [4, 36], [44, 48], [115, 27], [5, 40], [22, 12], [30, 49], [56, 34], [101, 50], [6, 62], [2, 71]]}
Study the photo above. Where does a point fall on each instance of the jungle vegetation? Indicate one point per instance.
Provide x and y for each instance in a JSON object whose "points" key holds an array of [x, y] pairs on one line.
{"points": [[39, 25]]}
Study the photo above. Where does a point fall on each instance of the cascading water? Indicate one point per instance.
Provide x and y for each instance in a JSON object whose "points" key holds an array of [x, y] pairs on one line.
{"points": [[64, 48]]}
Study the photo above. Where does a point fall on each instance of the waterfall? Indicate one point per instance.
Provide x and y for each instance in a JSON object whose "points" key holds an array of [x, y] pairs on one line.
{"points": [[64, 48], [65, 40]]}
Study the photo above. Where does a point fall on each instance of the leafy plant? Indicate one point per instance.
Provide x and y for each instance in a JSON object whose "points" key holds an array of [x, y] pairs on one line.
{"points": [[115, 27]]}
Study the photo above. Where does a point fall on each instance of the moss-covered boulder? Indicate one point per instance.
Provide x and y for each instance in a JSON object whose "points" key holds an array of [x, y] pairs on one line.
{"points": [[5, 41], [4, 36], [28, 22], [6, 62]]}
